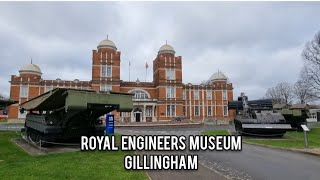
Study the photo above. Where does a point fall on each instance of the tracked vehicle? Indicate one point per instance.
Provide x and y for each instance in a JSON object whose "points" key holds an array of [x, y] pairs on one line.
{"points": [[258, 117], [67, 114]]}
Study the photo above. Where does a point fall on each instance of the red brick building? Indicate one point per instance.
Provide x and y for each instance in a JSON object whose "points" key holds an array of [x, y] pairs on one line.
{"points": [[162, 99]]}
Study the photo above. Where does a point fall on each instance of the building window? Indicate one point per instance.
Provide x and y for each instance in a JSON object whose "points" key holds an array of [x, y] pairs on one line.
{"points": [[138, 94], [196, 110], [24, 91], [225, 110], [106, 71], [196, 94], [209, 94], [184, 94], [170, 74], [224, 94], [48, 88], [209, 111], [106, 87], [126, 114], [148, 112], [171, 110], [171, 92]]}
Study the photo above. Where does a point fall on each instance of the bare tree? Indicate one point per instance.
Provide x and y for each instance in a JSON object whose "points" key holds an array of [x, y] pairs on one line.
{"points": [[273, 94], [303, 91], [311, 69], [281, 93]]}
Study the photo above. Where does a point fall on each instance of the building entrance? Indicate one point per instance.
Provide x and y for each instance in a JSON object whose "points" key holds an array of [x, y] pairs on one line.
{"points": [[137, 114]]}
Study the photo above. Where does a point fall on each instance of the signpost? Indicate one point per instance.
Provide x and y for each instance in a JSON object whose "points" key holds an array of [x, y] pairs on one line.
{"points": [[109, 124], [305, 130]]}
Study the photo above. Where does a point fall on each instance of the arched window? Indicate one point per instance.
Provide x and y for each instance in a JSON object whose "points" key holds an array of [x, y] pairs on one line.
{"points": [[139, 94]]}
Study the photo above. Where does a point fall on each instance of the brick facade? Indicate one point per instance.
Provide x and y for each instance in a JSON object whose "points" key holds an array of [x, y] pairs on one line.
{"points": [[163, 99]]}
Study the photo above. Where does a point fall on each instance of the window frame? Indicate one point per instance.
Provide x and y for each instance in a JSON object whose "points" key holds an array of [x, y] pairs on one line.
{"points": [[225, 111], [106, 71], [105, 89], [24, 94], [171, 110], [196, 113], [209, 108], [194, 95], [209, 92], [170, 74], [170, 92], [224, 95]]}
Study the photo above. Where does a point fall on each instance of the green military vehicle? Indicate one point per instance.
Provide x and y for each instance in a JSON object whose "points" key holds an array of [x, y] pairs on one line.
{"points": [[67, 114], [295, 117]]}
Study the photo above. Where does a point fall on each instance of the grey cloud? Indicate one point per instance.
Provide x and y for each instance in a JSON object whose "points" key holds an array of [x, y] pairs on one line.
{"points": [[256, 44]]}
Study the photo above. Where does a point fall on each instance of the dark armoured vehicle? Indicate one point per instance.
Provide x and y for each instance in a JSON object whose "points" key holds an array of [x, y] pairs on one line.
{"points": [[257, 117], [295, 117], [65, 114]]}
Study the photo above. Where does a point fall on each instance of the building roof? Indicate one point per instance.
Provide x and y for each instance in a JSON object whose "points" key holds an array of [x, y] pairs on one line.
{"points": [[166, 49], [30, 69], [280, 106], [299, 106], [107, 44], [218, 76], [314, 106]]}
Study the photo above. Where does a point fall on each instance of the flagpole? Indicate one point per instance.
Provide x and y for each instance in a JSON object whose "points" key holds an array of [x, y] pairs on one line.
{"points": [[146, 70], [129, 70], [146, 73]]}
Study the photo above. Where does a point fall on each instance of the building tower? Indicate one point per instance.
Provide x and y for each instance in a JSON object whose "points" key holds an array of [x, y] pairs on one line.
{"points": [[167, 78], [24, 87], [106, 67]]}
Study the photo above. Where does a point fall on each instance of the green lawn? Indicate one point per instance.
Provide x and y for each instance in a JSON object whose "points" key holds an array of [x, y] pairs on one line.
{"points": [[290, 140], [16, 164], [3, 120], [215, 132]]}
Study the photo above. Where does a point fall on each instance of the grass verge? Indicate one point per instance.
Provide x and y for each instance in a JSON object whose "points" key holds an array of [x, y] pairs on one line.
{"points": [[3, 120], [16, 164], [290, 140], [215, 132]]}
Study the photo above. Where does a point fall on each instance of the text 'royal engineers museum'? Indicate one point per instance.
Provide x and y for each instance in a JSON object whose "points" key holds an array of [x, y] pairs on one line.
{"points": [[163, 99]]}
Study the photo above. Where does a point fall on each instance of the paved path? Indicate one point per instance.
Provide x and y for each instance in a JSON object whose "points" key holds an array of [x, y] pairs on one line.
{"points": [[253, 162], [10, 127]]}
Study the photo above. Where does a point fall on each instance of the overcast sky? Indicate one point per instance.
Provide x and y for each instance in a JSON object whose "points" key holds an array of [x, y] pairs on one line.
{"points": [[255, 44]]}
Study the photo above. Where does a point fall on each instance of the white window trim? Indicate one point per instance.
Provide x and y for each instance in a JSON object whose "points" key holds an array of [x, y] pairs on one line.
{"points": [[194, 94], [174, 113], [209, 92], [106, 70], [227, 112], [209, 107], [170, 74], [50, 88], [105, 85], [194, 110], [26, 94], [168, 92], [224, 95]]}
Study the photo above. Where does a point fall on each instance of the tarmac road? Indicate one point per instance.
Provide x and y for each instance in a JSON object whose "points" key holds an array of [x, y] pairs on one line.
{"points": [[253, 162]]}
